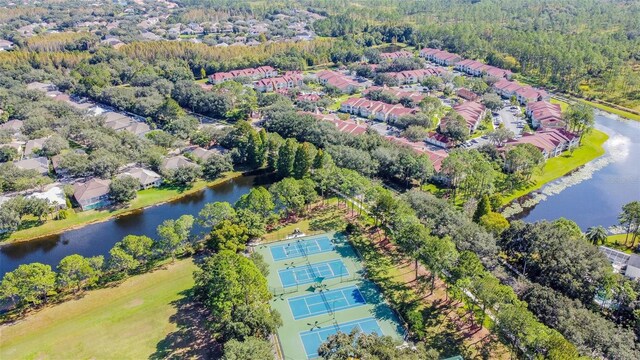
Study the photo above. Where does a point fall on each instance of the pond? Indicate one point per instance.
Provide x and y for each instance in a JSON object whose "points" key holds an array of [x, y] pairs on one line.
{"points": [[595, 194], [99, 238]]}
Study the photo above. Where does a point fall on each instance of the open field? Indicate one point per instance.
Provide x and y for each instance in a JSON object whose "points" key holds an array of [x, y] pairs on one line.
{"points": [[145, 198], [557, 167], [127, 321]]}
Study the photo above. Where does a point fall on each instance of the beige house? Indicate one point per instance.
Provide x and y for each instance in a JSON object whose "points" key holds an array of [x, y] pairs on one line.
{"points": [[146, 177], [92, 194]]}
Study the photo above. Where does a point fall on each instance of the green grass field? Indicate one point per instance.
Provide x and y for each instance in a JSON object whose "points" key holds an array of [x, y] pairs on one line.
{"points": [[557, 167], [144, 199], [127, 321]]}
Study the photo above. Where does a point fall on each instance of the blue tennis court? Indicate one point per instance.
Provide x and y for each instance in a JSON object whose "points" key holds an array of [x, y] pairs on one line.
{"points": [[313, 272], [299, 248], [314, 338], [326, 302]]}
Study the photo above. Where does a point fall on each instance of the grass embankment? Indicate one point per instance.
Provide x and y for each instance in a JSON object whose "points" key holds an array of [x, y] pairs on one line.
{"points": [[145, 198], [128, 321], [557, 167], [610, 109]]}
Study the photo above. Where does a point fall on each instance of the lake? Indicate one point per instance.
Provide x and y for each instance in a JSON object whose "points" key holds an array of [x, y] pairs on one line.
{"points": [[99, 238], [594, 195]]}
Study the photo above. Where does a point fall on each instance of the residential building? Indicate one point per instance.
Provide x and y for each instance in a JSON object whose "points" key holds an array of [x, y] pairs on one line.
{"points": [[467, 94], [415, 96], [39, 164], [175, 162], [623, 263], [92, 194], [476, 68], [201, 154], [339, 81], [439, 140], [14, 127], [5, 45], [396, 55], [54, 195], [32, 146], [377, 109], [348, 127], [258, 73], [288, 81], [472, 112], [550, 142], [440, 57], [415, 76], [146, 177], [524, 94], [545, 115]]}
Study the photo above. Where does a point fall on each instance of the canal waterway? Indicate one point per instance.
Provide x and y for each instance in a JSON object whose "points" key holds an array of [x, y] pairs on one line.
{"points": [[99, 238]]}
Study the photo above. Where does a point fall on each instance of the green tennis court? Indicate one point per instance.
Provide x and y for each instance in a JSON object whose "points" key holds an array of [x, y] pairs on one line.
{"points": [[318, 292]]}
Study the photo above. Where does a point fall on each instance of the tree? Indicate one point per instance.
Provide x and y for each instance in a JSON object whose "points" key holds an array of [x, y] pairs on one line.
{"points": [[123, 189], [259, 200], [630, 216], [120, 262], [255, 150], [415, 133], [251, 348], [174, 234], [412, 237], [521, 160], [54, 145], [483, 208], [214, 213], [8, 153], [286, 158], [494, 222], [287, 195], [228, 236], [492, 101], [78, 272], [139, 247], [215, 166], [226, 281], [580, 118], [357, 345], [439, 255], [29, 284], [183, 175], [454, 126], [500, 136], [303, 160]]}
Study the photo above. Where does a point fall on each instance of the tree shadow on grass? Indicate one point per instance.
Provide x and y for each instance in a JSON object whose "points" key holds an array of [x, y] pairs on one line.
{"points": [[192, 339]]}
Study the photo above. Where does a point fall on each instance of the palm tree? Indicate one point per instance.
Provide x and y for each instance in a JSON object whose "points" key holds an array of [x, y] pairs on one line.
{"points": [[596, 235]]}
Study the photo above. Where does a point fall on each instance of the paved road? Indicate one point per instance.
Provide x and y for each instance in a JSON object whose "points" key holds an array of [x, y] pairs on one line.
{"points": [[510, 120]]}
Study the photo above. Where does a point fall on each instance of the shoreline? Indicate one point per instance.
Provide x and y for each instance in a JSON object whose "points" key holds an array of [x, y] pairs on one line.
{"points": [[106, 215], [600, 138]]}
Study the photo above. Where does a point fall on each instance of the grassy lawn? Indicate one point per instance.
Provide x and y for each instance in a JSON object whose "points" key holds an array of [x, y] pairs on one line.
{"points": [[128, 321], [563, 105], [339, 100], [617, 242], [144, 199], [557, 167]]}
